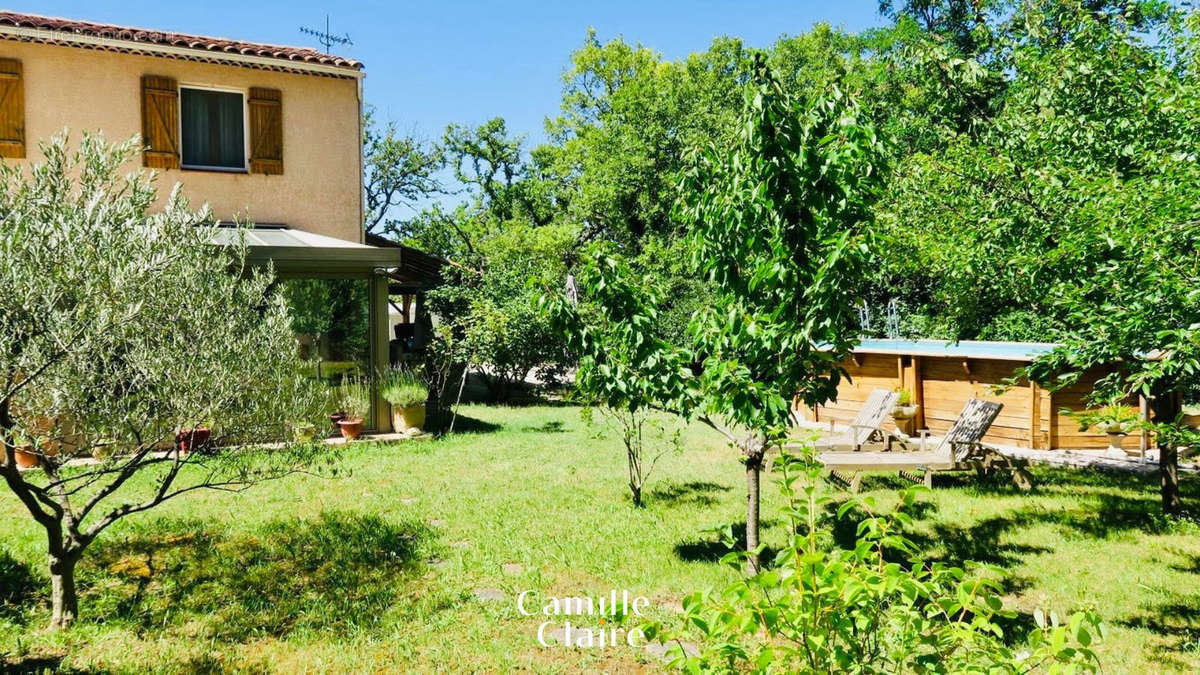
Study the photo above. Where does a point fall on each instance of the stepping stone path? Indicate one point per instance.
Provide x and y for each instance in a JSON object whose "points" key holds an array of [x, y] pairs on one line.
{"points": [[659, 649], [461, 544], [438, 563], [512, 568], [489, 594], [408, 500], [559, 635], [673, 605], [436, 523]]}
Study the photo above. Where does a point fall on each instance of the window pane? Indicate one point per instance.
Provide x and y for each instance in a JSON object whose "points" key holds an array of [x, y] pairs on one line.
{"points": [[213, 128]]}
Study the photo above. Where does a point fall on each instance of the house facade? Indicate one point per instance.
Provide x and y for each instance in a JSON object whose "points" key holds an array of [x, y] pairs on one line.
{"points": [[264, 134], [261, 133]]}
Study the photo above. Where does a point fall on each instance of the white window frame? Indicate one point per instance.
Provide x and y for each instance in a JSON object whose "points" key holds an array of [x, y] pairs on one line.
{"points": [[245, 94]]}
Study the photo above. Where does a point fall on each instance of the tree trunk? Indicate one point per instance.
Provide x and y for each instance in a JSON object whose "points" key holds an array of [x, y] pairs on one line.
{"points": [[1167, 406], [1168, 471], [62, 592], [754, 457]]}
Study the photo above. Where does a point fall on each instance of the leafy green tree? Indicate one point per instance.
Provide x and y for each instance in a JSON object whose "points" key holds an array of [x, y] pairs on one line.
{"points": [[627, 120], [961, 22], [121, 326], [625, 368], [981, 228], [1069, 215], [1140, 307], [398, 170], [504, 244], [779, 223], [491, 167]]}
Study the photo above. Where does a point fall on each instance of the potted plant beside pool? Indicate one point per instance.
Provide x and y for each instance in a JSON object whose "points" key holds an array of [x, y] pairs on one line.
{"points": [[1114, 420], [904, 409], [406, 392]]}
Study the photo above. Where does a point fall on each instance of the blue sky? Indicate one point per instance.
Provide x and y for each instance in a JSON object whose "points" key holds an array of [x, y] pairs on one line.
{"points": [[432, 63]]}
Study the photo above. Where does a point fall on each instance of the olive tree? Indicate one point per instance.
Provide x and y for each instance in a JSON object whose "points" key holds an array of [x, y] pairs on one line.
{"points": [[122, 325], [779, 222]]}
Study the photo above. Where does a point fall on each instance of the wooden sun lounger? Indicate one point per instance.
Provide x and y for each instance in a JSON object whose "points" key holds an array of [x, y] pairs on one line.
{"points": [[868, 423], [960, 449]]}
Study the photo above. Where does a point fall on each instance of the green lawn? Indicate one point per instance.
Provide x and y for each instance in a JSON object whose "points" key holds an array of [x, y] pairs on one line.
{"points": [[378, 569]]}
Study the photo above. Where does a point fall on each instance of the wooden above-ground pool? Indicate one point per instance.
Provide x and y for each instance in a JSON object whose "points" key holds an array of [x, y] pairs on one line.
{"points": [[943, 375]]}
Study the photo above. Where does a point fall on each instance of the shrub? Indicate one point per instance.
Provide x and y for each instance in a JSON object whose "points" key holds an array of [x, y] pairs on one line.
{"points": [[874, 608]]}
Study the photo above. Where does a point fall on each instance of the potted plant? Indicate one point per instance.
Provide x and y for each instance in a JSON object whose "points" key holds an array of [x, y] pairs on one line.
{"points": [[193, 439], [333, 406], [904, 409], [355, 402], [24, 453], [336, 416], [1114, 420], [407, 394]]}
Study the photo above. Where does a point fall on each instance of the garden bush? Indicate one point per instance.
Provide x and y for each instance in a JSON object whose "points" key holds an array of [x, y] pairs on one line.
{"points": [[874, 607]]}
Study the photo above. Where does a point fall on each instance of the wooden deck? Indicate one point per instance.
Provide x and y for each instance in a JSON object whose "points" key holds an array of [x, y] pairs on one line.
{"points": [[873, 460]]}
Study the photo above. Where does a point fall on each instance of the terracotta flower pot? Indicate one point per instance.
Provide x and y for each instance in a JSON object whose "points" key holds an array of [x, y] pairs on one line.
{"points": [[192, 440], [336, 417], [351, 428], [26, 459], [408, 417]]}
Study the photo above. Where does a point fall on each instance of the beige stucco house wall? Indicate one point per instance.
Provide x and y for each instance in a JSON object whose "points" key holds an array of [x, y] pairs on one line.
{"points": [[320, 190]]}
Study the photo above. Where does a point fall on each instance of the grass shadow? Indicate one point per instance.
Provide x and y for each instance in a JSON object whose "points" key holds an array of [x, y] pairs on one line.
{"points": [[712, 549], [696, 492], [1102, 505], [1178, 622], [335, 575], [551, 427], [438, 422], [41, 663], [19, 587], [1191, 566], [981, 541]]}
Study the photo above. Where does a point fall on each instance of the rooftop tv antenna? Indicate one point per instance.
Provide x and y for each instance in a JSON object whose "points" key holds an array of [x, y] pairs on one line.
{"points": [[326, 38]]}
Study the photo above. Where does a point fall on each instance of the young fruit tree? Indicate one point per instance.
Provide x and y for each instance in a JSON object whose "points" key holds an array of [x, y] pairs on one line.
{"points": [[873, 606], [626, 369], [139, 360], [779, 222]]}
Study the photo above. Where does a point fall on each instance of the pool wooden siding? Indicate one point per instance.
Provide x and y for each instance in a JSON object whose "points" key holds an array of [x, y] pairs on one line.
{"points": [[1031, 416]]}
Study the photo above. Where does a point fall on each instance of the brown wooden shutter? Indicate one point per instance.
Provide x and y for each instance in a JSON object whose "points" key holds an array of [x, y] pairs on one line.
{"points": [[160, 122], [12, 109], [266, 131]]}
